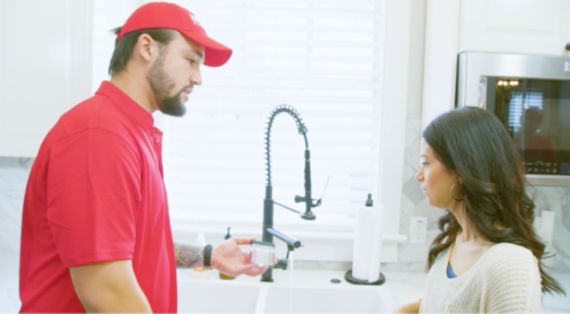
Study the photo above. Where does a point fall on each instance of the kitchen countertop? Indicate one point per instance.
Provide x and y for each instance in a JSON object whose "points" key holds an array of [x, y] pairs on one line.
{"points": [[404, 286]]}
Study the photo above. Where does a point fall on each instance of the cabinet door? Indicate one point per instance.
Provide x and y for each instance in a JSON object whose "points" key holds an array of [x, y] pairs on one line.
{"points": [[45, 68], [521, 26]]}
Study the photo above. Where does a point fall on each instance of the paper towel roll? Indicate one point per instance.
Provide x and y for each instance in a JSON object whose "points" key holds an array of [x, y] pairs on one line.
{"points": [[376, 247], [367, 245], [363, 239]]}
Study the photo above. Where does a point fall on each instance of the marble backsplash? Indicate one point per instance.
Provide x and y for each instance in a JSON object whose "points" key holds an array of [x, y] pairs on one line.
{"points": [[13, 177], [14, 174]]}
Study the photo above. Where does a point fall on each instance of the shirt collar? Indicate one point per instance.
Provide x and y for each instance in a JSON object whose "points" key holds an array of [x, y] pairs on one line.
{"points": [[126, 104]]}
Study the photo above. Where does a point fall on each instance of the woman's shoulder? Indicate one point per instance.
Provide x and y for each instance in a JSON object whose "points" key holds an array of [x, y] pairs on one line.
{"points": [[508, 258], [510, 275], [508, 251]]}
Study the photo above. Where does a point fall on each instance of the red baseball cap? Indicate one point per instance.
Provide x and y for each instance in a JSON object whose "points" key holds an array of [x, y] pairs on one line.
{"points": [[171, 16]]}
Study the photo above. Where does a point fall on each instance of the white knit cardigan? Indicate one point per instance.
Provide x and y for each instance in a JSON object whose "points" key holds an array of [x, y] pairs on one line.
{"points": [[505, 279]]}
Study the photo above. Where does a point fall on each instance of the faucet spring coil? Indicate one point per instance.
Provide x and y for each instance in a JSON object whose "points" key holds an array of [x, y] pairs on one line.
{"points": [[300, 127]]}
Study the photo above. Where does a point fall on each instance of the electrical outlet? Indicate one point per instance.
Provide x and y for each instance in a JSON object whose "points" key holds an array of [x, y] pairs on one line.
{"points": [[418, 229]]}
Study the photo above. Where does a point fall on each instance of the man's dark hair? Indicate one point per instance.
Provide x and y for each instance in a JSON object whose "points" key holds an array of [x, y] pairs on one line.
{"points": [[124, 47]]}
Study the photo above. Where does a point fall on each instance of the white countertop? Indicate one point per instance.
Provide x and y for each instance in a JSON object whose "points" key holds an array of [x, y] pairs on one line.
{"points": [[404, 286]]}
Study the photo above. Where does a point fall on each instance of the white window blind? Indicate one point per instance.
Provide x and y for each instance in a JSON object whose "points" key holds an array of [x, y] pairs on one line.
{"points": [[324, 58], [321, 57]]}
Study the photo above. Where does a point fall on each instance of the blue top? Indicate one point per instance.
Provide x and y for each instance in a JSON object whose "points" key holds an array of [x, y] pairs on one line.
{"points": [[450, 273]]}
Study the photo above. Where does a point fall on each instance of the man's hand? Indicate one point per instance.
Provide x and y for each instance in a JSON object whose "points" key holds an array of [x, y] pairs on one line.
{"points": [[109, 287], [229, 259]]}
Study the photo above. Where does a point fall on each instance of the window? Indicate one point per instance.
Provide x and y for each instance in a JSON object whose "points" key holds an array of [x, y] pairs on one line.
{"points": [[321, 57], [324, 58], [519, 102]]}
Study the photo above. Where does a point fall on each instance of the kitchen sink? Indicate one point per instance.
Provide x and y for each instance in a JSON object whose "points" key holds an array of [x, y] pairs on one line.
{"points": [[218, 296]]}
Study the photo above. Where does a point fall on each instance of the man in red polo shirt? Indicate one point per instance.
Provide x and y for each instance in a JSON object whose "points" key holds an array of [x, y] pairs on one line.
{"points": [[96, 234]]}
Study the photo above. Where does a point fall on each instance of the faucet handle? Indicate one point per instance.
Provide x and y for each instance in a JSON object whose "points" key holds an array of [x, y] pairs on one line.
{"points": [[281, 264], [308, 214], [314, 202], [300, 199]]}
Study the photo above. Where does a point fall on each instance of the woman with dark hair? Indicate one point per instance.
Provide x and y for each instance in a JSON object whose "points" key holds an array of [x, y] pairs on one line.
{"points": [[487, 257]]}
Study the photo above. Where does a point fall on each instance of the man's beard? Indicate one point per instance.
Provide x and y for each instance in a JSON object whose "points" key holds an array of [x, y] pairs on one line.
{"points": [[161, 85]]}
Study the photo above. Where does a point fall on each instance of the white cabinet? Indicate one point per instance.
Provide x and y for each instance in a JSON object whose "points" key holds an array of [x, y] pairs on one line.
{"points": [[522, 26], [516, 26], [45, 67]]}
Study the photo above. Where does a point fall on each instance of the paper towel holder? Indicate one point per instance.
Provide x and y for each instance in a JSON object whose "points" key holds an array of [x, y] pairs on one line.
{"points": [[348, 277]]}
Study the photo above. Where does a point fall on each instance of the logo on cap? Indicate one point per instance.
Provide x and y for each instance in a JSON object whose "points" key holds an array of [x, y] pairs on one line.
{"points": [[193, 19]]}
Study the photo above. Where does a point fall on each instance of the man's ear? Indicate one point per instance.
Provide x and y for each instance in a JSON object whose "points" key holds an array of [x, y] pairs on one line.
{"points": [[146, 48]]}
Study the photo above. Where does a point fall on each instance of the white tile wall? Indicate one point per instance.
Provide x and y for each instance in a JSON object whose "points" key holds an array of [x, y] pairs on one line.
{"points": [[13, 177]]}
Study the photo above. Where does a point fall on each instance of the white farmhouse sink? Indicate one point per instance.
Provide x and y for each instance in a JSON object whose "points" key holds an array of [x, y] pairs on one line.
{"points": [[318, 299], [309, 293], [217, 297]]}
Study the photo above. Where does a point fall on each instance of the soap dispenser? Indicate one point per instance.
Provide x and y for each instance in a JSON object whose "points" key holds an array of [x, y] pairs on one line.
{"points": [[220, 274]]}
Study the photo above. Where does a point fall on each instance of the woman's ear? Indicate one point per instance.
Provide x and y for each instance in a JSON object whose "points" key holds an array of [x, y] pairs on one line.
{"points": [[458, 179]]}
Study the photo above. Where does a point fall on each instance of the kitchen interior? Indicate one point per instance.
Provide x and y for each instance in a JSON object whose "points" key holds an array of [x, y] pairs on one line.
{"points": [[354, 81]]}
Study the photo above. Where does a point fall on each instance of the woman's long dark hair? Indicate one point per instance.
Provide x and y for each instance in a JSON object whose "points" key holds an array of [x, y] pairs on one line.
{"points": [[474, 144]]}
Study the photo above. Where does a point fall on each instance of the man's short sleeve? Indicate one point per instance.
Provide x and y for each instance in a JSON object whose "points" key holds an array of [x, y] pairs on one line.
{"points": [[93, 195]]}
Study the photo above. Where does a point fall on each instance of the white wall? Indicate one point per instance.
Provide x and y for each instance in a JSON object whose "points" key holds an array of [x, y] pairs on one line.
{"points": [[520, 26], [402, 85], [441, 47], [45, 68], [523, 26], [107, 15]]}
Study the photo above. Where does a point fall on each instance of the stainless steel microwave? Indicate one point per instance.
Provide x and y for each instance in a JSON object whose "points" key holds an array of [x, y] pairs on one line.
{"points": [[530, 94]]}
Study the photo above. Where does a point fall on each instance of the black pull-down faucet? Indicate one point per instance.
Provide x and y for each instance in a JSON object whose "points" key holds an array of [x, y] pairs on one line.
{"points": [[268, 231]]}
